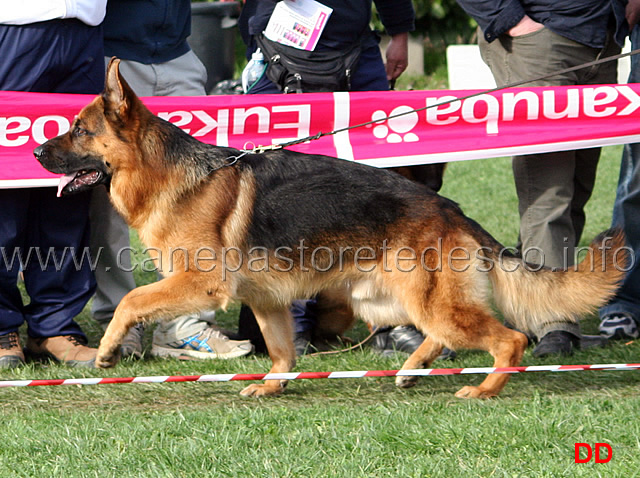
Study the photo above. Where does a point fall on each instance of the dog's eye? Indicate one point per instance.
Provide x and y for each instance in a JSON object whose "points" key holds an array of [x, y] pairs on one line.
{"points": [[77, 131]]}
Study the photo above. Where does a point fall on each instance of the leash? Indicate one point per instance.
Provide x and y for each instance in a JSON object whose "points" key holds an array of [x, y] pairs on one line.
{"points": [[347, 349], [599, 61], [230, 377]]}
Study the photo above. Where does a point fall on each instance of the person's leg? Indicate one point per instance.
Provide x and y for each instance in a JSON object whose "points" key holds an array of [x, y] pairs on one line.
{"points": [[13, 219], [59, 279], [544, 184], [114, 277], [61, 56], [182, 76], [58, 56], [621, 316], [305, 321], [370, 74], [583, 183], [110, 245], [552, 188]]}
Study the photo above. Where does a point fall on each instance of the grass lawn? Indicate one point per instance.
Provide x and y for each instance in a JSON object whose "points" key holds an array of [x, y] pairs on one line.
{"points": [[341, 428]]}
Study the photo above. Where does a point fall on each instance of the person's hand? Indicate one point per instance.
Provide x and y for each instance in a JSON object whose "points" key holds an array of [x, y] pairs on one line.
{"points": [[526, 25], [632, 13], [397, 55]]}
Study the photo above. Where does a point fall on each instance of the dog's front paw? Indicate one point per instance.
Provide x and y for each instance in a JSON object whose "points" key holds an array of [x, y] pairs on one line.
{"points": [[474, 392], [263, 390], [406, 381], [106, 359]]}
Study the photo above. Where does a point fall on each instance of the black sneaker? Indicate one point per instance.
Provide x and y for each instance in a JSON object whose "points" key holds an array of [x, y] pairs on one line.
{"points": [[403, 338], [560, 342], [302, 343], [557, 342]]}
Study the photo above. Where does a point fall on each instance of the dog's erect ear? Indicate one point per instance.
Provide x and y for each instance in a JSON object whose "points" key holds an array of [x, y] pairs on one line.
{"points": [[118, 96]]}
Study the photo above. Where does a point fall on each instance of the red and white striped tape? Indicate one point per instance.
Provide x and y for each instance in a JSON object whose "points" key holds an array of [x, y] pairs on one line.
{"points": [[316, 375]]}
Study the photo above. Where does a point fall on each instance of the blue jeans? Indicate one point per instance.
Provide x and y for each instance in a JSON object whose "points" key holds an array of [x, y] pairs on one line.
{"points": [[626, 213]]}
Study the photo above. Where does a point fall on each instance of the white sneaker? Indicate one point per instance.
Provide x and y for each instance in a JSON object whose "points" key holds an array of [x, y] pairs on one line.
{"points": [[619, 327], [208, 344]]}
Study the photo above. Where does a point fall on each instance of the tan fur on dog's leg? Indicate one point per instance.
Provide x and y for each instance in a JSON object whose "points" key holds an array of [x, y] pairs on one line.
{"points": [[506, 346], [165, 299], [420, 358], [277, 330]]}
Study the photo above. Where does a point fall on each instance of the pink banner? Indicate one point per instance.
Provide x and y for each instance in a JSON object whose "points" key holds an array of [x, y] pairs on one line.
{"points": [[508, 122]]}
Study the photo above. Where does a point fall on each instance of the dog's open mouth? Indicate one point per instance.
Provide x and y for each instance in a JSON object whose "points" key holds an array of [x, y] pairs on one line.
{"points": [[78, 181]]}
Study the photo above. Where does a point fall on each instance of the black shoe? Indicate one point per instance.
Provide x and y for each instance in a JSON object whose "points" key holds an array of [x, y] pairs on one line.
{"points": [[557, 342], [447, 354], [404, 338], [590, 341], [560, 342], [302, 343], [248, 329]]}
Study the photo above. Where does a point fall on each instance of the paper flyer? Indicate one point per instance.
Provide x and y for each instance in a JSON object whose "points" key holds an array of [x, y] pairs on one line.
{"points": [[298, 23]]}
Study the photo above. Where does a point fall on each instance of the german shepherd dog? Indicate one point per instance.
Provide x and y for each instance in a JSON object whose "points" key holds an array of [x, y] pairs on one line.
{"points": [[272, 227]]}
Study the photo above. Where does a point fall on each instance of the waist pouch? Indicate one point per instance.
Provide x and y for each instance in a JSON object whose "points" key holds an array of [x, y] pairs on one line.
{"points": [[302, 71]]}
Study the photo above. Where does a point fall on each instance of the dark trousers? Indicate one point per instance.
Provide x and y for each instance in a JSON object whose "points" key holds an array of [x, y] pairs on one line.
{"points": [[43, 235], [59, 56], [552, 188]]}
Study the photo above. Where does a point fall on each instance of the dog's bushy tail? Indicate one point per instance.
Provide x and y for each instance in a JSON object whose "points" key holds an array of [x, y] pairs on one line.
{"points": [[531, 298]]}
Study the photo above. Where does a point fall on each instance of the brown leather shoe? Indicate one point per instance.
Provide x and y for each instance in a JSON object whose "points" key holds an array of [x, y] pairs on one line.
{"points": [[11, 355], [69, 349]]}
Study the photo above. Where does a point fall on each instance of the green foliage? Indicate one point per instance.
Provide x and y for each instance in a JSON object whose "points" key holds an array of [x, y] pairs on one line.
{"points": [[444, 20]]}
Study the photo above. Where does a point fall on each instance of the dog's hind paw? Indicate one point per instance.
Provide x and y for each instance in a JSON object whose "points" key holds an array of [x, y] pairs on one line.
{"points": [[262, 390], [474, 392], [405, 381]]}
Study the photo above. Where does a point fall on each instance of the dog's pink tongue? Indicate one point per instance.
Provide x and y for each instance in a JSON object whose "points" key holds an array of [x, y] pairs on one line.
{"points": [[64, 180]]}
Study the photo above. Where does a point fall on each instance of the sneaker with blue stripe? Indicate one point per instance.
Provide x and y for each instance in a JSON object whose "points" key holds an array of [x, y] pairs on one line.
{"points": [[207, 344]]}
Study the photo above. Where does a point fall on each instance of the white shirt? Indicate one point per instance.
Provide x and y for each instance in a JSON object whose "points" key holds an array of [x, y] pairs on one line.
{"points": [[22, 12]]}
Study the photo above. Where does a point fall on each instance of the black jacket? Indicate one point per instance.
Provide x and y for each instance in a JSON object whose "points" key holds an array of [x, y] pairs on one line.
{"points": [[147, 31], [583, 21], [347, 23]]}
